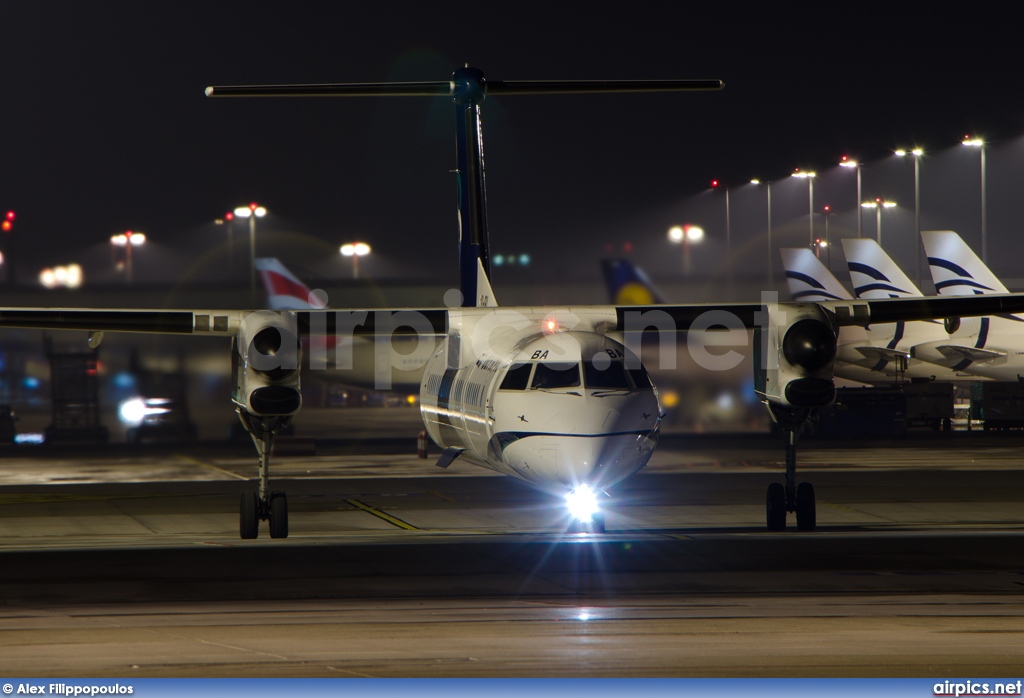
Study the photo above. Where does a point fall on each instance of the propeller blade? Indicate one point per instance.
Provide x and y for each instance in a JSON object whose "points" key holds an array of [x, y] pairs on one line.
{"points": [[536, 87], [353, 89], [447, 89]]}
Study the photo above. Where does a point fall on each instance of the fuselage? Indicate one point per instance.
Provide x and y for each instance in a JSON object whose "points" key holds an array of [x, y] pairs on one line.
{"points": [[557, 409]]}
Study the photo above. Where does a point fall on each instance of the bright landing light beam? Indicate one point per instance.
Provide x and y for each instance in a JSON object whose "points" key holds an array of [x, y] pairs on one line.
{"points": [[582, 503]]}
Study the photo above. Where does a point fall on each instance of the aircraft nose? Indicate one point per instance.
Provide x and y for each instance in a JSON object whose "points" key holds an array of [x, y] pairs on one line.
{"points": [[603, 461]]}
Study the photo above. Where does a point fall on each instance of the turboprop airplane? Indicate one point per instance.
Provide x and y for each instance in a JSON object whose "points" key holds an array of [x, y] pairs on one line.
{"points": [[549, 395], [989, 347]]}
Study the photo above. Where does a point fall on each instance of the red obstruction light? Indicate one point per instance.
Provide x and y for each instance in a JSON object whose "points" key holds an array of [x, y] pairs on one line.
{"points": [[714, 184]]}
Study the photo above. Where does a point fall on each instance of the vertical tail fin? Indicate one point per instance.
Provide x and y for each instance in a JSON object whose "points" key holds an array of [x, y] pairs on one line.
{"points": [[956, 270], [873, 273], [628, 285], [808, 278], [284, 290], [484, 293]]}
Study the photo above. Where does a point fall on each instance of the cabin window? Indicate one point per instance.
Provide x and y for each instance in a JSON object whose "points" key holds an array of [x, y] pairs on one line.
{"points": [[517, 378], [556, 375], [605, 375]]}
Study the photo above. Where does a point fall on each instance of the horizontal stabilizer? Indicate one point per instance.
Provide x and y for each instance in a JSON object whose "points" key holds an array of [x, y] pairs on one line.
{"points": [[974, 354], [884, 353]]}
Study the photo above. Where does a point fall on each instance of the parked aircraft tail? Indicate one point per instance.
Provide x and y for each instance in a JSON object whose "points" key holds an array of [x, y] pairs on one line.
{"points": [[628, 285], [284, 290], [809, 280]]}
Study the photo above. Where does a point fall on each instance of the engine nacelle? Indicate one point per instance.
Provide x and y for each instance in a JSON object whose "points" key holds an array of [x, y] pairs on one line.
{"points": [[266, 363], [794, 355]]}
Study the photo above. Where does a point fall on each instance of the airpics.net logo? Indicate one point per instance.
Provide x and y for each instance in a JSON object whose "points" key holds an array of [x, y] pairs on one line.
{"points": [[977, 688], [715, 339]]}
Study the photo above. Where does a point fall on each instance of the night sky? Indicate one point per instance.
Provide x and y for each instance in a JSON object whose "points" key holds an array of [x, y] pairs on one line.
{"points": [[105, 128]]}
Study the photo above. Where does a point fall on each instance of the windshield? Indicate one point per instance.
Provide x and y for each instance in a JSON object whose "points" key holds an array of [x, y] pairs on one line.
{"points": [[640, 377], [605, 374], [556, 375], [517, 378]]}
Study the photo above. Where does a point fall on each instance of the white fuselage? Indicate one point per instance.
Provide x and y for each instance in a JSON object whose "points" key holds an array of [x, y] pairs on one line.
{"points": [[557, 409]]}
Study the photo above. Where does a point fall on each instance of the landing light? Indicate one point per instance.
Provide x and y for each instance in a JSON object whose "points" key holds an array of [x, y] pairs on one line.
{"points": [[582, 503], [134, 411]]}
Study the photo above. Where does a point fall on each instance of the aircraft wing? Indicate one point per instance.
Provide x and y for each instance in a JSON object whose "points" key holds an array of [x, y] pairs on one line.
{"points": [[956, 352], [225, 323], [406, 321], [844, 313], [210, 322]]}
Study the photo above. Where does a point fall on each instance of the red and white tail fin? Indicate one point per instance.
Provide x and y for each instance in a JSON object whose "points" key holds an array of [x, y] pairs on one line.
{"points": [[284, 290]]}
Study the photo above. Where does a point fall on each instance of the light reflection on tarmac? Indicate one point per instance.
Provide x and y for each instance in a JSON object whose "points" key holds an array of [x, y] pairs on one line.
{"points": [[126, 562]]}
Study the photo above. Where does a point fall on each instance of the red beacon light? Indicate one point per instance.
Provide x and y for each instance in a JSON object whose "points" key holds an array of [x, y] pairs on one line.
{"points": [[549, 325], [8, 222]]}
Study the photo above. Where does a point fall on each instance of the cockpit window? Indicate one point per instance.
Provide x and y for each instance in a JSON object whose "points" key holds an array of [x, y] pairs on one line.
{"points": [[517, 378], [556, 375], [640, 377], [605, 374]]}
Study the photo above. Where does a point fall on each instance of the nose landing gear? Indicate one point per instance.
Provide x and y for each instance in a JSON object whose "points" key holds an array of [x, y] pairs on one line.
{"points": [[790, 497], [263, 505]]}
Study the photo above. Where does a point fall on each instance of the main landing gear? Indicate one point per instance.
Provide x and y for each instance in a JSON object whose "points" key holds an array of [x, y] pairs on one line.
{"points": [[790, 497], [263, 505]]}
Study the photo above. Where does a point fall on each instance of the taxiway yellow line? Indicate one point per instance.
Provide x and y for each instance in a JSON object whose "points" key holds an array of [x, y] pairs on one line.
{"points": [[381, 515], [196, 461]]}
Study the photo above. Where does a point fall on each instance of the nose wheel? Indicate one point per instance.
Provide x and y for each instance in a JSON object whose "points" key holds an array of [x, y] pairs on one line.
{"points": [[252, 510], [784, 498], [263, 505]]}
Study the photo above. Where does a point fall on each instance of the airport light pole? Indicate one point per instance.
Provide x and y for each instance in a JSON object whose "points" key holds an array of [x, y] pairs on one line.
{"points": [[878, 205], [715, 184], [128, 240], [355, 250], [980, 145], [809, 176], [771, 269], [229, 218], [252, 212], [916, 153], [847, 162], [826, 243], [684, 235]]}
